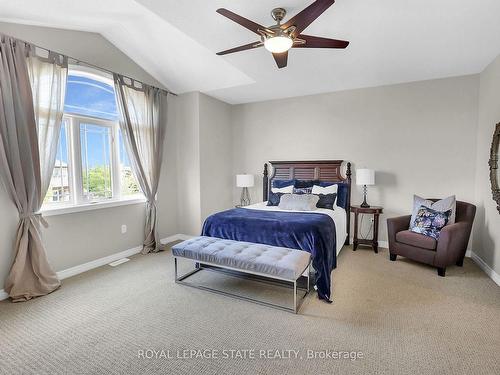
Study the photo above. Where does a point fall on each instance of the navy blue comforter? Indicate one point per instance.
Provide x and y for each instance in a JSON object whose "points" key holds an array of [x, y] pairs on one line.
{"points": [[311, 232]]}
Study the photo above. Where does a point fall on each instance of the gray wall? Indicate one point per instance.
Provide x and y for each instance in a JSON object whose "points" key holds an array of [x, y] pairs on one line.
{"points": [[188, 163], [419, 137], [73, 239], [487, 229], [204, 166], [216, 138]]}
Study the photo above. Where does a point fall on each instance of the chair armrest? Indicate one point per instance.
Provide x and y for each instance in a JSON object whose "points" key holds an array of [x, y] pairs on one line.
{"points": [[452, 243], [395, 225]]}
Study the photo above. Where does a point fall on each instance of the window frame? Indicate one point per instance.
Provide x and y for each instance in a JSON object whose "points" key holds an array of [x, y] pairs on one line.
{"points": [[73, 122]]}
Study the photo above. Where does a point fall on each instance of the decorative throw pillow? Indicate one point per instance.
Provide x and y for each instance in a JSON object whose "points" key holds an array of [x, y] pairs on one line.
{"points": [[304, 190], [305, 183], [442, 205], [279, 187], [429, 222], [326, 200], [274, 198], [327, 195], [298, 202], [342, 192], [284, 189], [332, 189], [282, 183]]}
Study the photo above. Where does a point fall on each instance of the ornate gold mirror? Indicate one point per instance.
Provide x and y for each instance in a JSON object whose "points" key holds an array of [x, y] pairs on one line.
{"points": [[494, 171]]}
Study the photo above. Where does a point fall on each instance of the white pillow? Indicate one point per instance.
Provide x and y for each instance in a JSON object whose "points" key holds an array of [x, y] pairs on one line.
{"points": [[442, 205], [298, 202], [332, 189], [284, 190]]}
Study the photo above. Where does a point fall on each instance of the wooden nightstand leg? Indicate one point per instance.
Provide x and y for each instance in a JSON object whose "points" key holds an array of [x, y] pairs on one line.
{"points": [[375, 233], [355, 239]]}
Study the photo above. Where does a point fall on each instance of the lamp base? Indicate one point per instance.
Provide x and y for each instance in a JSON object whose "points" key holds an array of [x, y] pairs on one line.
{"points": [[245, 197], [364, 204]]}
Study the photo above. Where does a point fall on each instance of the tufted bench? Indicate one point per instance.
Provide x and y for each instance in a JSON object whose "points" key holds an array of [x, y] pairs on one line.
{"points": [[270, 262]]}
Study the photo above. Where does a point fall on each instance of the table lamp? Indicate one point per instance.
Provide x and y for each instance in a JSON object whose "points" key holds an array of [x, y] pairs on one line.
{"points": [[244, 181], [365, 177]]}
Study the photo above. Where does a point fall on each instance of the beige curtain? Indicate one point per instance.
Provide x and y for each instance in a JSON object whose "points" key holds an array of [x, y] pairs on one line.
{"points": [[143, 127], [21, 169], [48, 76]]}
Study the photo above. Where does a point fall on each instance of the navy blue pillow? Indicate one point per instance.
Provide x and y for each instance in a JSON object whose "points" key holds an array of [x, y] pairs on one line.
{"points": [[326, 200], [342, 192], [274, 198], [300, 184], [282, 183]]}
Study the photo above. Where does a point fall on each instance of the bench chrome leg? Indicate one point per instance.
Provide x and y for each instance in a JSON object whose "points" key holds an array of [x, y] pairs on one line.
{"points": [[199, 267], [295, 296], [180, 278]]}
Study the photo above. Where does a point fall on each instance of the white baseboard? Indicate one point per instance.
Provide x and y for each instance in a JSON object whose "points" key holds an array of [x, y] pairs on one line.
{"points": [[487, 269], [3, 294], [382, 244], [176, 237], [64, 274]]}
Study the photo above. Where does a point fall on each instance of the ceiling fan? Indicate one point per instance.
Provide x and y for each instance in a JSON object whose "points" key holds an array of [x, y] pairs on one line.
{"points": [[279, 38]]}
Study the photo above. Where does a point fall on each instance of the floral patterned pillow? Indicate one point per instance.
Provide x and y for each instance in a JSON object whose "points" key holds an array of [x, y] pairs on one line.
{"points": [[429, 222]]}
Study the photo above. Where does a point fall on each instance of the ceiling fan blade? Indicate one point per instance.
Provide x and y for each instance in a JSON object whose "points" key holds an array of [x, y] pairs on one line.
{"points": [[318, 42], [241, 48], [307, 16], [246, 23], [281, 59]]}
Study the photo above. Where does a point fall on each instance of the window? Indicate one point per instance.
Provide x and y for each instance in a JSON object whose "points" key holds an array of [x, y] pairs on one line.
{"points": [[92, 164], [95, 144], [59, 188]]}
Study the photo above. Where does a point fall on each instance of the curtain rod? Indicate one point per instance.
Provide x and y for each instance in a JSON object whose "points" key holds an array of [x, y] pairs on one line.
{"points": [[78, 61]]}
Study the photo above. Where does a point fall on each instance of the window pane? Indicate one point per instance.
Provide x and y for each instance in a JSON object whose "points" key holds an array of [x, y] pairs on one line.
{"points": [[59, 190], [90, 97], [129, 184], [96, 161]]}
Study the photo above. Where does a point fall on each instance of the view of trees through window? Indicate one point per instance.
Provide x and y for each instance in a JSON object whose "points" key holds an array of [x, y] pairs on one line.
{"points": [[96, 161], [91, 163]]}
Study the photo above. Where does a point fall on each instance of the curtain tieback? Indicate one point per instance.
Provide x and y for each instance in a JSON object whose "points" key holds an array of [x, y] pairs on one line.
{"points": [[34, 215]]}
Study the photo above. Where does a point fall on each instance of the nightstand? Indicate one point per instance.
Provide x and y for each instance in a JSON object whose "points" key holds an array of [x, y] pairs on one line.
{"points": [[373, 210]]}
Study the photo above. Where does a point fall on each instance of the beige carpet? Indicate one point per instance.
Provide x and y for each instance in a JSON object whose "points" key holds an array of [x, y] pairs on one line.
{"points": [[401, 316]]}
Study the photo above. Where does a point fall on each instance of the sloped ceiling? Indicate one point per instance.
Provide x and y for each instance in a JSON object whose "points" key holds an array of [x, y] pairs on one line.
{"points": [[392, 41]]}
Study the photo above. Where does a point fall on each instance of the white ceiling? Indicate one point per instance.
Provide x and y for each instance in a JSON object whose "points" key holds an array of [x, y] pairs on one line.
{"points": [[392, 41]]}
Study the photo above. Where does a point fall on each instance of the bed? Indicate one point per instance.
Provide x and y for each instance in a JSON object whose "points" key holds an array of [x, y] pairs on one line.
{"points": [[321, 232]]}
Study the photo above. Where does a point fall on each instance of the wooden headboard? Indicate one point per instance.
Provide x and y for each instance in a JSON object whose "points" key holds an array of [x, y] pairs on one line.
{"points": [[323, 170]]}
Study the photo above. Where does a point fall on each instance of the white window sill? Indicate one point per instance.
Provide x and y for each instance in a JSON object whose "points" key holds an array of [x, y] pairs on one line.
{"points": [[63, 210]]}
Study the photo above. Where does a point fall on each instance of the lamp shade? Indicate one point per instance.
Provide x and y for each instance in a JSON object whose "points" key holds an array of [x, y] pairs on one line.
{"points": [[244, 180], [365, 177]]}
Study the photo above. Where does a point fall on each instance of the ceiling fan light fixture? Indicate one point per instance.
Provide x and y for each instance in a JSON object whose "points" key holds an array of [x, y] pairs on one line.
{"points": [[278, 44]]}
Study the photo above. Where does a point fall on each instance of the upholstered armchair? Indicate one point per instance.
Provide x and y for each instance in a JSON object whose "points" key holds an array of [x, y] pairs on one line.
{"points": [[447, 250]]}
